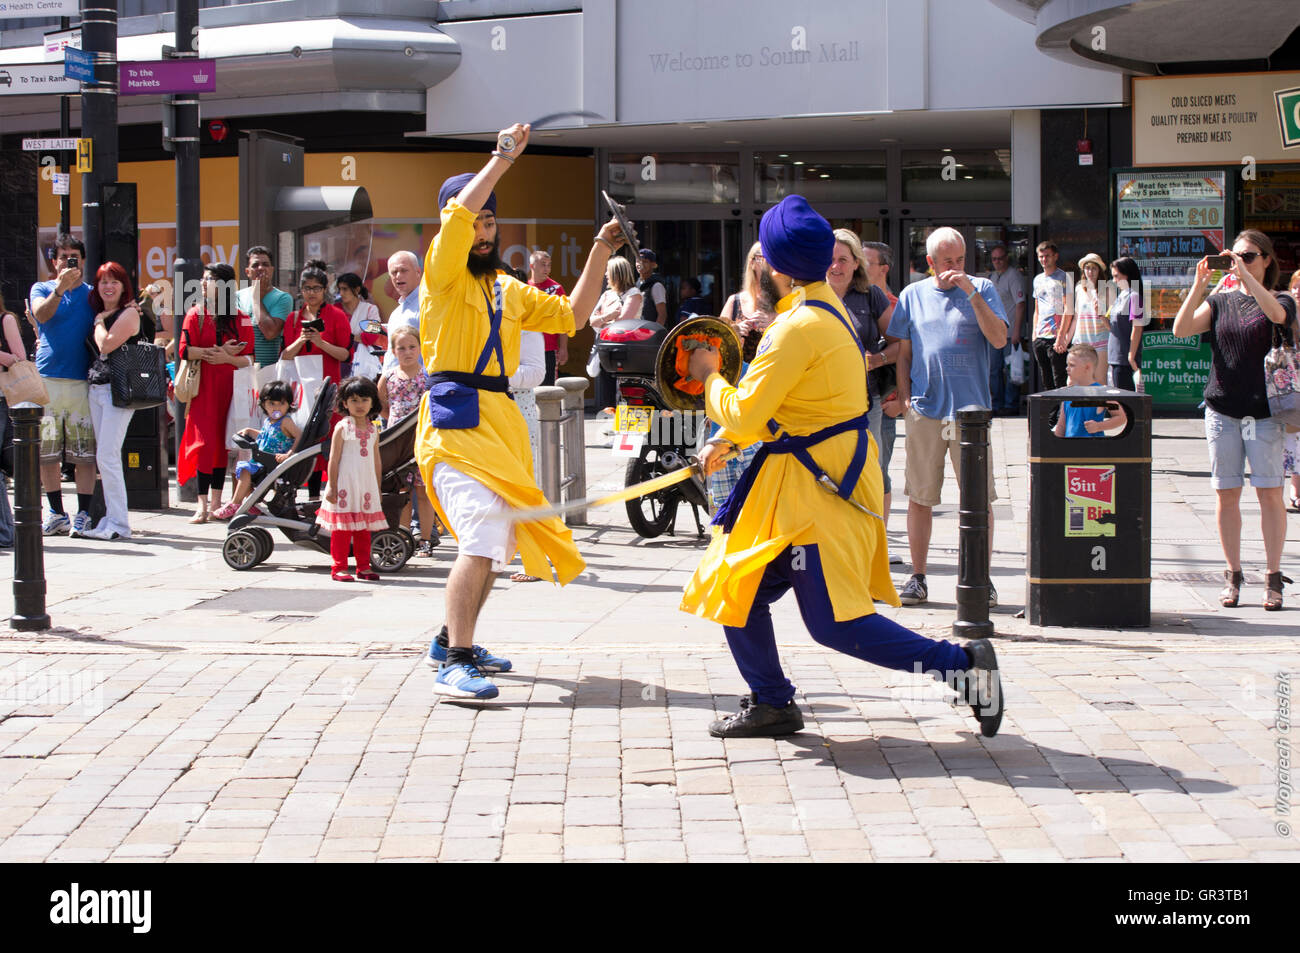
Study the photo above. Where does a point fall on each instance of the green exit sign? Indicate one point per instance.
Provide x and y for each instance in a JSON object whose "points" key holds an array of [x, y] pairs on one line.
{"points": [[1288, 116]]}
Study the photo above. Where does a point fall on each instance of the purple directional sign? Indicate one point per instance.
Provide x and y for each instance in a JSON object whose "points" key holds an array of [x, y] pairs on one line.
{"points": [[167, 76]]}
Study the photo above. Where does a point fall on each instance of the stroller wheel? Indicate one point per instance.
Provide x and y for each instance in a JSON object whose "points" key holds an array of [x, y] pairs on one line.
{"points": [[265, 543], [409, 540], [241, 550], [388, 552]]}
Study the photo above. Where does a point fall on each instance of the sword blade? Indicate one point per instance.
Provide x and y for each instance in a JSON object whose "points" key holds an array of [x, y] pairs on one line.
{"points": [[653, 485], [551, 118]]}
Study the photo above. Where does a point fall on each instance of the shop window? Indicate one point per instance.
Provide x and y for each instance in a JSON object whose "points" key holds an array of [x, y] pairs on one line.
{"points": [[820, 176], [962, 175], [1272, 205], [681, 178]]}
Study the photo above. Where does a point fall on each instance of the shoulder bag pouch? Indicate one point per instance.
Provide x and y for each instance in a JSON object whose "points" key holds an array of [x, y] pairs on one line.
{"points": [[452, 405], [1282, 380], [188, 374]]}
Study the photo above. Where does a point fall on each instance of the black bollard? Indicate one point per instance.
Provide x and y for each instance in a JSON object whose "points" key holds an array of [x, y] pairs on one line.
{"points": [[29, 553], [973, 527]]}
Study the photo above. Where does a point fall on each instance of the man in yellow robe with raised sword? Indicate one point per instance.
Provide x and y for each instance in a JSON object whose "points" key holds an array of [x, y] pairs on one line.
{"points": [[473, 448]]}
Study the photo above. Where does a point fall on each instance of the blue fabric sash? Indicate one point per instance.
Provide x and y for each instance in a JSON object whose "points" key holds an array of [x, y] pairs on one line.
{"points": [[730, 509]]}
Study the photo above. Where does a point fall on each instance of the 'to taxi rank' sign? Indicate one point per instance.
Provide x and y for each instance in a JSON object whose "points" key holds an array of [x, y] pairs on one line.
{"points": [[1089, 501]]}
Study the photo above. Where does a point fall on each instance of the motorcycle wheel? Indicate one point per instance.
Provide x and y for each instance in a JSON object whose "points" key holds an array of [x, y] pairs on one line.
{"points": [[654, 514]]}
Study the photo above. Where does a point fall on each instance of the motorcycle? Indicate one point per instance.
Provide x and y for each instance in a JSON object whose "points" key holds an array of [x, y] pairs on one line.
{"points": [[670, 439]]}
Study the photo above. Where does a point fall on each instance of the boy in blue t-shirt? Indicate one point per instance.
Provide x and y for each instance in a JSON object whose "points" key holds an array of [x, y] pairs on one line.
{"points": [[1080, 371]]}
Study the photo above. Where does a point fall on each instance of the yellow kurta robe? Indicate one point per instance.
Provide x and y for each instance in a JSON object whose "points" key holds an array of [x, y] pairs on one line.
{"points": [[454, 325], [808, 375]]}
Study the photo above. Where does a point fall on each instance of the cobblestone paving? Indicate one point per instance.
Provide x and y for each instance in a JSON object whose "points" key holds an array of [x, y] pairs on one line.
{"points": [[1116, 751]]}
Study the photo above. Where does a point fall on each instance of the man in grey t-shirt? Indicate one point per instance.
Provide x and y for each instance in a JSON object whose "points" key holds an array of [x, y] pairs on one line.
{"points": [[1010, 285]]}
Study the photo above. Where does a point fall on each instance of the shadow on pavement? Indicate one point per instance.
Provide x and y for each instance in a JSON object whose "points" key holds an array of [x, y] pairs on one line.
{"points": [[1008, 759]]}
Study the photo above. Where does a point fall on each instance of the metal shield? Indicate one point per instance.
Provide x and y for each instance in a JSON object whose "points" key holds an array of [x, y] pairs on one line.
{"points": [[678, 390]]}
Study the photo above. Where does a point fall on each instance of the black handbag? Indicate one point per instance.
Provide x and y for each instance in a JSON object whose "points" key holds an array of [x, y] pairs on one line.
{"points": [[137, 372]]}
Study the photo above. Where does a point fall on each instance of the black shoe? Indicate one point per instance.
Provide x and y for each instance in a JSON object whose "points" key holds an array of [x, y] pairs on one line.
{"points": [[980, 686], [758, 720]]}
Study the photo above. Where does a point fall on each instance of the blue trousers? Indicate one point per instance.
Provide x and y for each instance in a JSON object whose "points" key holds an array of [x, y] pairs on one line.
{"points": [[872, 638]]}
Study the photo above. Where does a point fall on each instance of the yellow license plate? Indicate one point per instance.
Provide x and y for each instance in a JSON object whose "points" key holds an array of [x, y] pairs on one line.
{"points": [[632, 419]]}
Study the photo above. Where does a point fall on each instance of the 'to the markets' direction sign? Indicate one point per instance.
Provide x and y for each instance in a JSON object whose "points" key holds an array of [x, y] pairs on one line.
{"points": [[167, 76]]}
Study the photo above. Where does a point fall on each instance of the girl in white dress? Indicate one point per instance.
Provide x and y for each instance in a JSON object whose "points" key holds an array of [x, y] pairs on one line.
{"points": [[352, 508]]}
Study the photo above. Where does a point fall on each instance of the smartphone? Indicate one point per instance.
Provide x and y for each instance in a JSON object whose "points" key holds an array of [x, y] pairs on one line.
{"points": [[1220, 262], [74, 262]]}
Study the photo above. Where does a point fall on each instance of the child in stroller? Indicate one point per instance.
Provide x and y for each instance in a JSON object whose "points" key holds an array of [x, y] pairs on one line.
{"points": [[272, 502], [275, 442]]}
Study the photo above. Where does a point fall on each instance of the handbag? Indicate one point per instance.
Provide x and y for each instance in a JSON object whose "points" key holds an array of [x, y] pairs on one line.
{"points": [[21, 383], [1282, 381], [188, 376], [137, 372]]}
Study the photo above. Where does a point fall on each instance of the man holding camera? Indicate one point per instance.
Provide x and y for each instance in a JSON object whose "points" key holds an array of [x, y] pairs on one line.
{"points": [[64, 318]]}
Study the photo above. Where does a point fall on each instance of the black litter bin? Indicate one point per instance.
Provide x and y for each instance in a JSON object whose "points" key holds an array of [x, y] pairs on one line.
{"points": [[1089, 515]]}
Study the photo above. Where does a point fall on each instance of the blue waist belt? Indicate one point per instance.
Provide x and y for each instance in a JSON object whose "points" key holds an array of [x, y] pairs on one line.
{"points": [[730, 510]]}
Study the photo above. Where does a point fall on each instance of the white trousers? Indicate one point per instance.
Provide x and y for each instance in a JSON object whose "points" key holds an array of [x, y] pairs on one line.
{"points": [[110, 425]]}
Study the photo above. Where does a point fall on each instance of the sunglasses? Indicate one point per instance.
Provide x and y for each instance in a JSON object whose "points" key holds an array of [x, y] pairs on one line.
{"points": [[1250, 256]]}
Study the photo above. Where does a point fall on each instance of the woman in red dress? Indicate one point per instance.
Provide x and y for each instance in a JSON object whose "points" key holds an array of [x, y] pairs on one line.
{"points": [[318, 327], [222, 338]]}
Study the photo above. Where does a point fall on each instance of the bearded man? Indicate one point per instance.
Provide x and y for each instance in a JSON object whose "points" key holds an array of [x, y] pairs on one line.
{"points": [[472, 447]]}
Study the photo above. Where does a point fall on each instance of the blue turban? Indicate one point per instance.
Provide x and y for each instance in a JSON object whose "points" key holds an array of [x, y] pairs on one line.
{"points": [[455, 185], [796, 240]]}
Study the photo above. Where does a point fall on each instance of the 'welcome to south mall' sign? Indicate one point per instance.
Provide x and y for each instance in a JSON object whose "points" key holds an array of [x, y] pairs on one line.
{"points": [[1188, 120]]}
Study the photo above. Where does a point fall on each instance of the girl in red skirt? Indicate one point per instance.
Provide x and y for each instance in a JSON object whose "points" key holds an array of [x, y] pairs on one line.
{"points": [[352, 508]]}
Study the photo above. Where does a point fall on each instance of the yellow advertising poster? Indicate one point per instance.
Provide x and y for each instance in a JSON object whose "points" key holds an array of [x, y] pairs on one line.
{"points": [[1089, 500]]}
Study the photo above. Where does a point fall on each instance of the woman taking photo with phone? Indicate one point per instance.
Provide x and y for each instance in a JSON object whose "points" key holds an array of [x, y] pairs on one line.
{"points": [[318, 327], [1241, 324], [220, 337]]}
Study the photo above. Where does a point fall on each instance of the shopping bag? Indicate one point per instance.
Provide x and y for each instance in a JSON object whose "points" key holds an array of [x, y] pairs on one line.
{"points": [[1282, 380], [304, 375], [1018, 365], [244, 411], [365, 364]]}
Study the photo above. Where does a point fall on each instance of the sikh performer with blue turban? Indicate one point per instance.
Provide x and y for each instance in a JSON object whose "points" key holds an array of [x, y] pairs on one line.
{"points": [[473, 448], [783, 527]]}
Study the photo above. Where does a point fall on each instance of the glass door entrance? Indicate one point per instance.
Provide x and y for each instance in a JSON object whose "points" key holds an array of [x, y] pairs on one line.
{"points": [[704, 249], [981, 239]]}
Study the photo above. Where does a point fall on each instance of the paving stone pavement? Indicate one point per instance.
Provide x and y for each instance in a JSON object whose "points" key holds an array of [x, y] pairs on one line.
{"points": [[181, 711]]}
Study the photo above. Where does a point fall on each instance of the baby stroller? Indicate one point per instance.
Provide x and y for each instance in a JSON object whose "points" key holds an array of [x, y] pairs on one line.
{"points": [[272, 504]]}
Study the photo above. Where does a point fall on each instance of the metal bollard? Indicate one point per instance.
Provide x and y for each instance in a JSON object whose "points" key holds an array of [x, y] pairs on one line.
{"points": [[574, 478], [29, 552], [973, 527], [550, 413]]}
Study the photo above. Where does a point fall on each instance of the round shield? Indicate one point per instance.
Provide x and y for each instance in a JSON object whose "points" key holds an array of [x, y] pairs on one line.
{"points": [[678, 390]]}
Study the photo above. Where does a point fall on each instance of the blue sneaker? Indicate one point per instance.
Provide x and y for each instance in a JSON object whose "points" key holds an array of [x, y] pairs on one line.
{"points": [[81, 523], [485, 660], [56, 524], [463, 681]]}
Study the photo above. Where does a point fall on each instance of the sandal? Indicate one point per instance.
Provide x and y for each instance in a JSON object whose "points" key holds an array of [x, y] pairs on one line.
{"points": [[1273, 595], [1232, 590]]}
